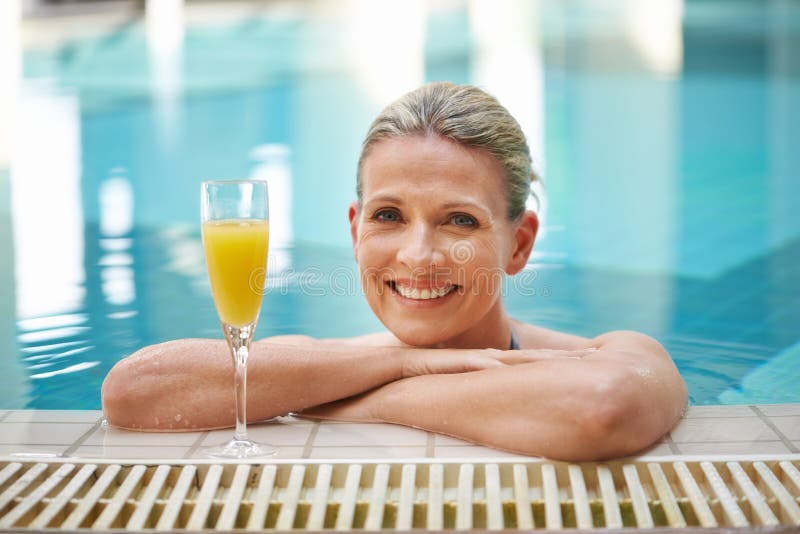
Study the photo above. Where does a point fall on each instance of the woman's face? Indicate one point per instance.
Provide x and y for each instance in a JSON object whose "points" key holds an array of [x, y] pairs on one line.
{"points": [[432, 239]]}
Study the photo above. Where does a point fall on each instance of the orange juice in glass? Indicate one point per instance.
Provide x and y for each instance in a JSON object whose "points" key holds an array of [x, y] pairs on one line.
{"points": [[236, 255], [235, 227]]}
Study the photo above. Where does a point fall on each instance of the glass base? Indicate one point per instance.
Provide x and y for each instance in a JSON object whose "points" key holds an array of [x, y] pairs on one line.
{"points": [[238, 449]]}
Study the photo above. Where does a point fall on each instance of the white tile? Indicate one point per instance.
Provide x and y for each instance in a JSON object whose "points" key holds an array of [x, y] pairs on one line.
{"points": [[360, 453], [779, 409], [33, 450], [42, 433], [722, 429], [270, 433], [110, 436], [474, 452], [722, 410], [53, 416], [369, 434], [284, 453], [130, 453], [658, 449], [735, 447], [788, 426], [2, 414]]}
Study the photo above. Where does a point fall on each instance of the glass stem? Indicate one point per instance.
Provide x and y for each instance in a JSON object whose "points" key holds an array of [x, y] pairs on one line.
{"points": [[239, 342]]}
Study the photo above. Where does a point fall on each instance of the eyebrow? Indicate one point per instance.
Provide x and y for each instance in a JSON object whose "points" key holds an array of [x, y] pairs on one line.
{"points": [[448, 205]]}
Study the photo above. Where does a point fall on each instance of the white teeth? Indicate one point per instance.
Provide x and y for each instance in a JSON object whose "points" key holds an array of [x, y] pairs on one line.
{"points": [[425, 294]]}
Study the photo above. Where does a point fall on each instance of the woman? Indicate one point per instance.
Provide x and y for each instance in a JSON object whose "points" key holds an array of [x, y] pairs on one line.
{"points": [[439, 219]]}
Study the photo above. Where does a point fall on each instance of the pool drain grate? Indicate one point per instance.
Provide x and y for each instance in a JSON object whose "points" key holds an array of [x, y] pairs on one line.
{"points": [[73, 495]]}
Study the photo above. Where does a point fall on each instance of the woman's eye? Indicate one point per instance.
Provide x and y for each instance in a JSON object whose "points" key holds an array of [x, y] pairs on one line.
{"points": [[386, 216], [464, 220]]}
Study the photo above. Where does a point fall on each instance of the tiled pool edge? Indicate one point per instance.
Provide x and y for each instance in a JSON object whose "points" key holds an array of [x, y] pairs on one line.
{"points": [[706, 430]]}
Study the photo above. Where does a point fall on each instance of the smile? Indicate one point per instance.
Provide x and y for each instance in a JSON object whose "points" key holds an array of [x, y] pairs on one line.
{"points": [[412, 293]]}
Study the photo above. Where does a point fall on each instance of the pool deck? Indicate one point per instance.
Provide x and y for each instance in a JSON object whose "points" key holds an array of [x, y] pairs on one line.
{"points": [[706, 430]]}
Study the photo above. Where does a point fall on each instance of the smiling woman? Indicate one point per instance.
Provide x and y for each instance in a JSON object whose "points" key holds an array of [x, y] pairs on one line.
{"points": [[438, 222], [432, 224]]}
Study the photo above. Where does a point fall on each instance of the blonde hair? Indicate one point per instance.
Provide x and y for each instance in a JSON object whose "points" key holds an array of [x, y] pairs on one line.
{"points": [[466, 115]]}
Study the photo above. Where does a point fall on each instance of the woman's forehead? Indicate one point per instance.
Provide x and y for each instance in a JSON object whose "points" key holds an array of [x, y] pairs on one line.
{"points": [[431, 165]]}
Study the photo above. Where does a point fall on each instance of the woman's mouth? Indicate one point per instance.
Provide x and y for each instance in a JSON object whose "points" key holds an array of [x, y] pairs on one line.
{"points": [[425, 294]]}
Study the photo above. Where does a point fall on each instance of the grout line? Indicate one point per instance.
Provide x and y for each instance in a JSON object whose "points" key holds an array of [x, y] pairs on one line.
{"points": [[36, 445], [140, 446], [429, 446], [695, 417], [717, 442], [7, 413], [320, 447], [195, 445], [48, 422], [673, 447], [78, 442], [774, 428], [310, 441]]}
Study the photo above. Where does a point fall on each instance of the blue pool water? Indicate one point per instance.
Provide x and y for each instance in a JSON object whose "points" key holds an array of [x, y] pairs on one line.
{"points": [[668, 138]]}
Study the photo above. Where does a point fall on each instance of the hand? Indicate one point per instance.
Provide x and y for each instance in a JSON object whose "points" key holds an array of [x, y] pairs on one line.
{"points": [[417, 362], [516, 357]]}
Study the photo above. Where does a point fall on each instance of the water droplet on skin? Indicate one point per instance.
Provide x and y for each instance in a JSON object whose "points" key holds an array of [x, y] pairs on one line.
{"points": [[178, 417]]}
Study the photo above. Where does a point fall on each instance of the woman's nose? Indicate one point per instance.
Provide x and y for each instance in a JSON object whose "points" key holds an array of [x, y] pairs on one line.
{"points": [[419, 248]]}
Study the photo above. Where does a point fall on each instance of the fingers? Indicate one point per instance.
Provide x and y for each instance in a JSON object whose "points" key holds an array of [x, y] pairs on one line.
{"points": [[479, 362], [443, 362], [515, 357]]}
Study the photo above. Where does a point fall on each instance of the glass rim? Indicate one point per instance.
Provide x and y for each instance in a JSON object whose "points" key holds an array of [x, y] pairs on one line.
{"points": [[222, 182]]}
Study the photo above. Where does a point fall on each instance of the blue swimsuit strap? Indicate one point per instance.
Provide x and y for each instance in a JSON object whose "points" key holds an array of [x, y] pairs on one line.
{"points": [[514, 343]]}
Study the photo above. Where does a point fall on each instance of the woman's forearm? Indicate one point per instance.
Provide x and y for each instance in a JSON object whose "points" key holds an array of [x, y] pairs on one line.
{"points": [[188, 384], [568, 410]]}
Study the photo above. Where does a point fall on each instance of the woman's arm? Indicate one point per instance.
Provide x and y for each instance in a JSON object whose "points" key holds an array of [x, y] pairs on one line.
{"points": [[188, 384], [609, 403]]}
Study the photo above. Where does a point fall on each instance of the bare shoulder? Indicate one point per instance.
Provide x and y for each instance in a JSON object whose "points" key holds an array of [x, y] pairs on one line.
{"points": [[628, 340], [632, 349], [536, 337]]}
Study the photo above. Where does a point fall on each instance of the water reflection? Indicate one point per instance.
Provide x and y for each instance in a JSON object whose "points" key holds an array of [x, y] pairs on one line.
{"points": [[384, 43], [46, 204], [116, 220], [655, 29], [165, 32], [10, 74], [508, 62]]}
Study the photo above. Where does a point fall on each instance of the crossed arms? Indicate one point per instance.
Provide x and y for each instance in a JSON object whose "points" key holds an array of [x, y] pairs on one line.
{"points": [[608, 397]]}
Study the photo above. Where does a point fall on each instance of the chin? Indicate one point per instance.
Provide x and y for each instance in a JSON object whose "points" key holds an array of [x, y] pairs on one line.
{"points": [[420, 337]]}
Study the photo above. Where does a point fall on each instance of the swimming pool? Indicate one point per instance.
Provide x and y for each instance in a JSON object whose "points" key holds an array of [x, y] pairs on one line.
{"points": [[667, 138]]}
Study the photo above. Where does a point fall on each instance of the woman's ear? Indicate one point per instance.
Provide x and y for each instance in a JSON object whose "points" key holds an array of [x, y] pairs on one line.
{"points": [[524, 237], [352, 214]]}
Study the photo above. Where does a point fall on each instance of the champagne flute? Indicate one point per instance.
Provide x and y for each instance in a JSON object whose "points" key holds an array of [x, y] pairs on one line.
{"points": [[235, 228]]}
